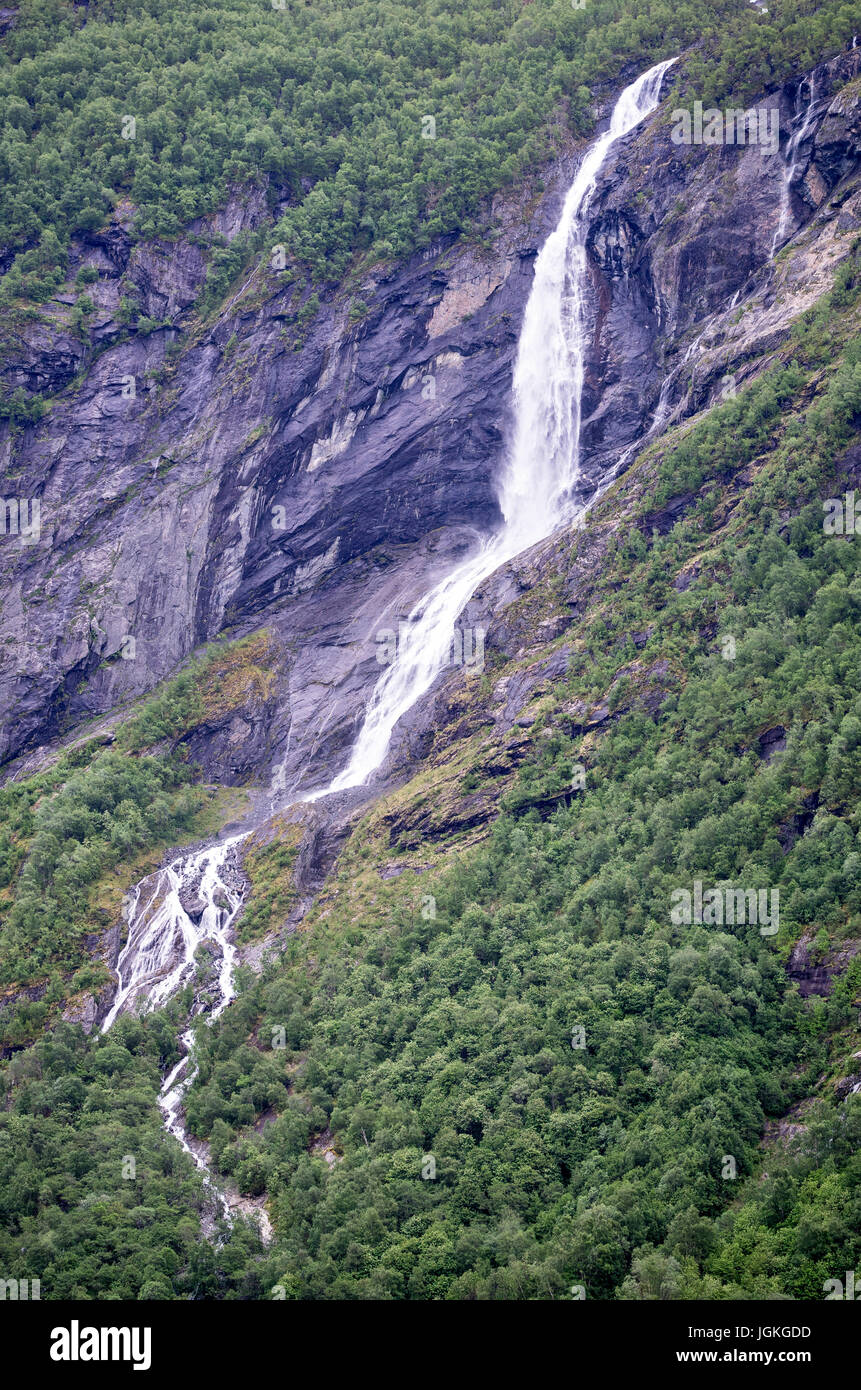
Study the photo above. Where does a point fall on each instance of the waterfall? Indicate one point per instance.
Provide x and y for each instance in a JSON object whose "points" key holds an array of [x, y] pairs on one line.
{"points": [[540, 471], [543, 462], [192, 899], [158, 957], [169, 915], [791, 162]]}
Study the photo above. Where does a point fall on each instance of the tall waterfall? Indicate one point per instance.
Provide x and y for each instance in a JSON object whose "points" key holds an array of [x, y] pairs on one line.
{"points": [[536, 485], [543, 462], [193, 900]]}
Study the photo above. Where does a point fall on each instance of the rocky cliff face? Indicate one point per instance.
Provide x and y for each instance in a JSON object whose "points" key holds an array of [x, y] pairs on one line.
{"points": [[691, 293], [313, 470], [307, 476]]}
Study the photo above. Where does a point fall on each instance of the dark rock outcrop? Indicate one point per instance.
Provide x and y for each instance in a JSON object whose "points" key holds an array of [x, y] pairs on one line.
{"points": [[817, 976], [315, 470]]}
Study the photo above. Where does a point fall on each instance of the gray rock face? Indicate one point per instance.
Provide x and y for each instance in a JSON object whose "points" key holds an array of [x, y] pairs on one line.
{"points": [[682, 235], [314, 473], [253, 478]]}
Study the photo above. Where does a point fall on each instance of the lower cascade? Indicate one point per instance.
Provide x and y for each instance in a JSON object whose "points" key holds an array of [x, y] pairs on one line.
{"points": [[196, 898], [192, 901], [170, 914]]}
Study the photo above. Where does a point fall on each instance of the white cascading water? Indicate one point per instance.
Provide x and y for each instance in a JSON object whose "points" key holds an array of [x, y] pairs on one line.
{"points": [[543, 463], [158, 959], [796, 140], [535, 492]]}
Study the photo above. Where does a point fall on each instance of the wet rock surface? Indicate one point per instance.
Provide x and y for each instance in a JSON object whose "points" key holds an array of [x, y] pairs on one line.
{"points": [[317, 476]]}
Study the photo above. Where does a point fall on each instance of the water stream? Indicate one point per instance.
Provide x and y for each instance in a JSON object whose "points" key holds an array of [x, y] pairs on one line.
{"points": [[192, 901], [542, 465], [791, 162], [196, 898]]}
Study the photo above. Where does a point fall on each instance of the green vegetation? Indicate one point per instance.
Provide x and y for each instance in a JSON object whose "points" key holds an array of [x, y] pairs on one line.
{"points": [[325, 104], [525, 1073], [74, 836], [588, 1081], [269, 870], [451, 1036], [729, 436], [95, 1200], [20, 407], [70, 826]]}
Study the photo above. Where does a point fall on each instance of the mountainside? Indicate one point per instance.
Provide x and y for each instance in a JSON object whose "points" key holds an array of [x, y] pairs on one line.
{"points": [[319, 477], [480, 1041]]}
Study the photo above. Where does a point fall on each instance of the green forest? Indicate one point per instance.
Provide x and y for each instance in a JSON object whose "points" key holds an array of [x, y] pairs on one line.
{"points": [[542, 1083], [496, 1067], [165, 107]]}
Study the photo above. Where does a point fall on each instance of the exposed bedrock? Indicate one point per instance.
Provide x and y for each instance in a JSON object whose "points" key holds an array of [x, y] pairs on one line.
{"points": [[314, 473]]}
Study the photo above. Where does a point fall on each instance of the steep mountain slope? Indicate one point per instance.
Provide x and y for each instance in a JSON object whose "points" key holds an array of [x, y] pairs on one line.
{"points": [[503, 1070], [318, 474], [473, 1053]]}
